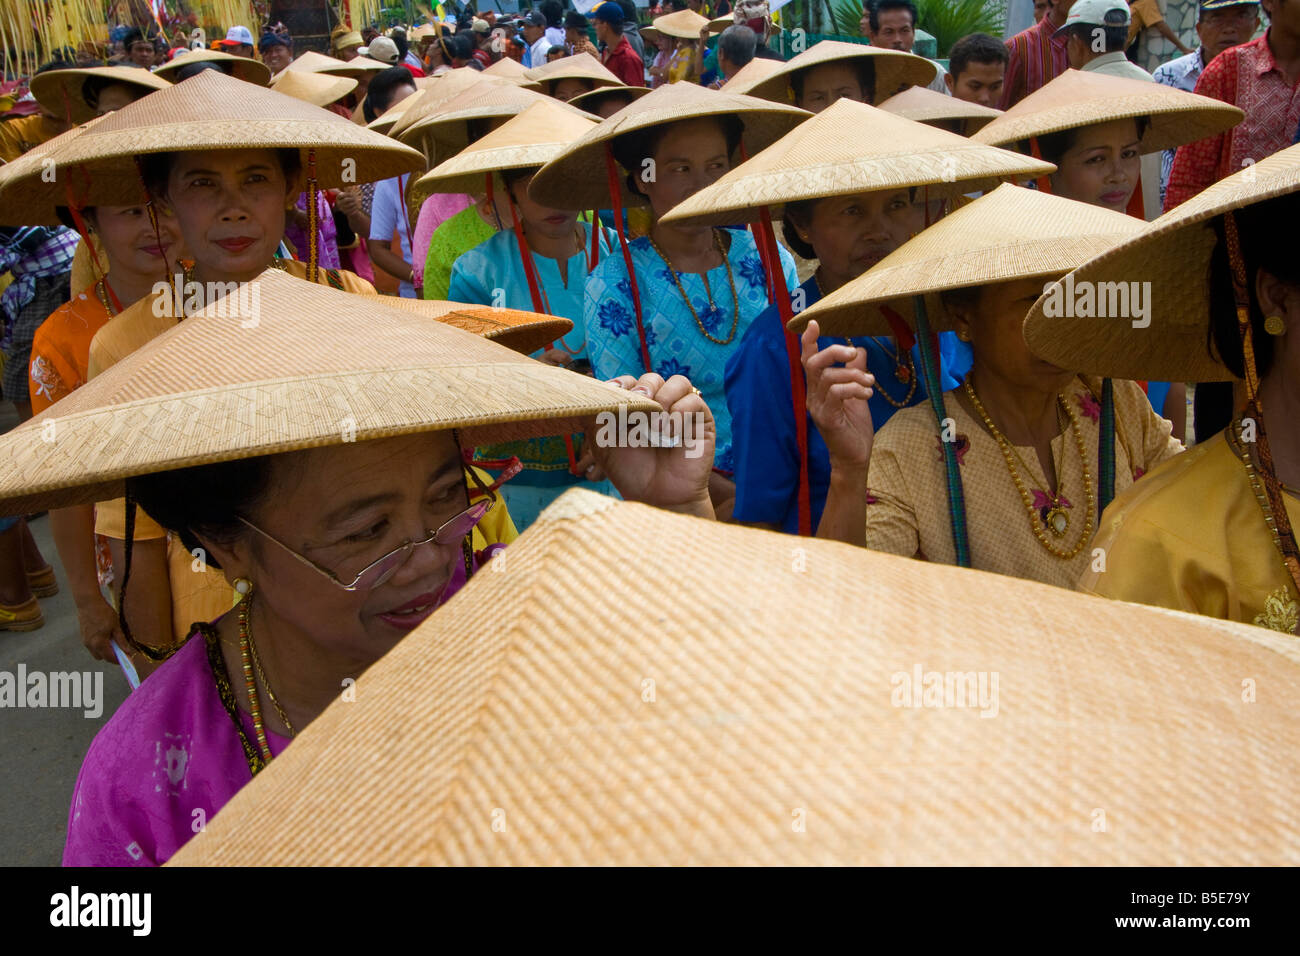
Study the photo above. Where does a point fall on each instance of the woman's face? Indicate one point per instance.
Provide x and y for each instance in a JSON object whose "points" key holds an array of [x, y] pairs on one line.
{"points": [[344, 507], [852, 233], [538, 219], [996, 326], [688, 156], [131, 244], [1101, 168], [828, 82], [277, 58], [567, 89], [230, 206], [114, 97]]}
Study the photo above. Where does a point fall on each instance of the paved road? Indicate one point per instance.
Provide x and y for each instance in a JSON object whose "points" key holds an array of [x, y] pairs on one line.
{"points": [[41, 749]]}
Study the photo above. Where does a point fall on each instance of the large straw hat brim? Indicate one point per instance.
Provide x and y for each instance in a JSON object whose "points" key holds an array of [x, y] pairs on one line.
{"points": [[894, 70], [1077, 98], [532, 138], [318, 89], [742, 714], [442, 90], [578, 178], [241, 67], [1009, 234], [60, 91], [524, 332], [22, 203], [681, 25], [313, 366], [313, 62], [590, 101], [507, 68], [580, 66], [1172, 254], [846, 149], [718, 24], [752, 73], [212, 111], [925, 105]]}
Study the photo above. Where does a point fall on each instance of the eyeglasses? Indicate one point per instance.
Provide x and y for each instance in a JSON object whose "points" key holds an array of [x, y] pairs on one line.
{"points": [[377, 572]]}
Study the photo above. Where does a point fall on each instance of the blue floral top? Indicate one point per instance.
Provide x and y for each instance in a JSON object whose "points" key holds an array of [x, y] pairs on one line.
{"points": [[674, 339]]}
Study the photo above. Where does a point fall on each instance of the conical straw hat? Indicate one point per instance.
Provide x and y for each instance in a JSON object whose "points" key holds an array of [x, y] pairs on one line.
{"points": [[521, 331], [393, 116], [580, 66], [894, 69], [26, 205], [445, 131], [1172, 255], [302, 365], [753, 73], [577, 178], [318, 89], [61, 91], [508, 69], [590, 101], [215, 111], [851, 148], [682, 25], [742, 714], [241, 67], [444, 88], [313, 62], [1077, 98], [930, 106], [531, 138], [1011, 233], [718, 24]]}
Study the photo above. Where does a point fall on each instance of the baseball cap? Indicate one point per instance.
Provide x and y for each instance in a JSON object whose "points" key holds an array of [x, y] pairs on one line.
{"points": [[534, 18], [609, 11], [382, 49], [1110, 13], [272, 39], [238, 36], [1221, 4], [481, 26]]}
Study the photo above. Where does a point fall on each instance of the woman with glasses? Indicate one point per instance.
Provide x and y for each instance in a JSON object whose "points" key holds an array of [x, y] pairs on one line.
{"points": [[339, 541]]}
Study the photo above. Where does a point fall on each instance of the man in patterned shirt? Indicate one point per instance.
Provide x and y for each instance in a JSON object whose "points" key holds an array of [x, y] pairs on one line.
{"points": [[1036, 56], [1259, 77], [1219, 24]]}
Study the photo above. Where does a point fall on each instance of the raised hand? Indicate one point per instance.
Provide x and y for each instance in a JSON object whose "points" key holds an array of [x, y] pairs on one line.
{"points": [[839, 387]]}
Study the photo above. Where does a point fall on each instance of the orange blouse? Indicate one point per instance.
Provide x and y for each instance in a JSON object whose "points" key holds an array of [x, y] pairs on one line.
{"points": [[61, 348]]}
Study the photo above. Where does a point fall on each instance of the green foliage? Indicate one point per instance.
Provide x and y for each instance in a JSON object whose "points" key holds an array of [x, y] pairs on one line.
{"points": [[950, 20]]}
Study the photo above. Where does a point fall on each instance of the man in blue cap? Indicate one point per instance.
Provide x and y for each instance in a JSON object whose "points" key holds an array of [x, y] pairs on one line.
{"points": [[618, 55], [1219, 24], [277, 52]]}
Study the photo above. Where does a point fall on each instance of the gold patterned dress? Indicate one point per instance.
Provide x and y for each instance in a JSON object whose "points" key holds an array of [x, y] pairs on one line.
{"points": [[907, 504], [1192, 537]]}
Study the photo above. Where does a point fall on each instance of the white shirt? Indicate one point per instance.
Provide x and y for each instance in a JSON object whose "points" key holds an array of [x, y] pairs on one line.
{"points": [[388, 212], [537, 52]]}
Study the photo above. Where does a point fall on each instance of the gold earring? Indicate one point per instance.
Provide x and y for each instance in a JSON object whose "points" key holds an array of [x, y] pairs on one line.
{"points": [[963, 335], [1275, 325], [243, 586]]}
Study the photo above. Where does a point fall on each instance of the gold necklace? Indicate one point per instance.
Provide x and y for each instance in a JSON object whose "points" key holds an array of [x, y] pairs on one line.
{"points": [[250, 683], [270, 694], [731, 279], [101, 289], [904, 371], [1058, 519]]}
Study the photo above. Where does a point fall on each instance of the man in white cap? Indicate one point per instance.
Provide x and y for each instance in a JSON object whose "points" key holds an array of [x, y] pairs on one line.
{"points": [[238, 42], [382, 49], [1096, 33]]}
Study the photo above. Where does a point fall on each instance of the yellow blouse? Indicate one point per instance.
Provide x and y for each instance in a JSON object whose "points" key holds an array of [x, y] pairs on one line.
{"points": [[907, 509], [1192, 537]]}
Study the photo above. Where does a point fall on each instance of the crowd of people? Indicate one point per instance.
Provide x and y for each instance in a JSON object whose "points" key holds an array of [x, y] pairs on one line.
{"points": [[878, 283]]}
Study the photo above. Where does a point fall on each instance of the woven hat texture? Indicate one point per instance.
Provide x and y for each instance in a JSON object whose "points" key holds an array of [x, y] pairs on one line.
{"points": [[60, 91], [313, 62], [580, 66], [925, 105], [318, 89], [242, 68], [521, 331], [894, 70]]}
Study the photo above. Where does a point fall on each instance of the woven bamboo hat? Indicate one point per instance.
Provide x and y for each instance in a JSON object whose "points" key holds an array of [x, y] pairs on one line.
{"points": [[930, 106], [62, 92], [681, 25], [578, 179], [215, 111], [752, 74], [1077, 98], [310, 364], [757, 721], [508, 69], [318, 89], [718, 24], [1008, 234], [1172, 254], [393, 115], [894, 69], [524, 332], [241, 67], [590, 102], [313, 62], [21, 202], [580, 66], [846, 149], [442, 90], [530, 139]]}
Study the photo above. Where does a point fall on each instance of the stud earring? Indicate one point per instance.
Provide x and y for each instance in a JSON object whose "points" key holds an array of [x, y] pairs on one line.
{"points": [[243, 586], [1275, 325], [963, 335]]}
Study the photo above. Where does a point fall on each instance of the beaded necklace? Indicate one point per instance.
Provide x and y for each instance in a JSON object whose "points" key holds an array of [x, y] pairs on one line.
{"points": [[1058, 519], [105, 293], [731, 280], [904, 371]]}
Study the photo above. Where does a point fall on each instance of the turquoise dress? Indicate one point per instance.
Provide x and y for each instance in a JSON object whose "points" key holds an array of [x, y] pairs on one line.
{"points": [[673, 335]]}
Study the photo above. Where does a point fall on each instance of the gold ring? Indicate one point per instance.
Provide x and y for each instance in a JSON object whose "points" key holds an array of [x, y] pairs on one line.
{"points": [[696, 390]]}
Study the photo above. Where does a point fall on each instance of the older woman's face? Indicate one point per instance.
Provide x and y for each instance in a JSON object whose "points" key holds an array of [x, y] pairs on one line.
{"points": [[688, 156], [1102, 166], [828, 82], [996, 327], [114, 97], [230, 206], [852, 233], [344, 507]]}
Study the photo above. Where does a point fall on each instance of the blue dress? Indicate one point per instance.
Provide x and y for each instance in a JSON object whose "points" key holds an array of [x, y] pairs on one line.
{"points": [[675, 342], [764, 443]]}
